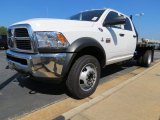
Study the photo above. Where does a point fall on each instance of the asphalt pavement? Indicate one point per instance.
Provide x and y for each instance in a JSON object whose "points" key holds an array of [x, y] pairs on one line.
{"points": [[19, 95]]}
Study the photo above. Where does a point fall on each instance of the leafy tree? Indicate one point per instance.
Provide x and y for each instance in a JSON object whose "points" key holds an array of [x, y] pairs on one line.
{"points": [[3, 30]]}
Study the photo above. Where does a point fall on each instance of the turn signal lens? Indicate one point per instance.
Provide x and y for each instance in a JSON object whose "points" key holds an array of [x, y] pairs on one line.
{"points": [[61, 37]]}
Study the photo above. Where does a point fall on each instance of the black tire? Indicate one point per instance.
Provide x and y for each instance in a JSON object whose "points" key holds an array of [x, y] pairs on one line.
{"points": [[146, 59], [83, 67]]}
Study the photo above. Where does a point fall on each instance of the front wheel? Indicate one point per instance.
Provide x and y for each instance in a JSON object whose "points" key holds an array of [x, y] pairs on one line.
{"points": [[83, 77]]}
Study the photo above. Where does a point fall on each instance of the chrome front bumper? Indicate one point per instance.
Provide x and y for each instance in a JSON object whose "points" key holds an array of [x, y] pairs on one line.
{"points": [[38, 65]]}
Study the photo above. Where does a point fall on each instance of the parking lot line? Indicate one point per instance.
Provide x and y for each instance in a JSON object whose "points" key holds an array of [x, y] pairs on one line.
{"points": [[5, 83]]}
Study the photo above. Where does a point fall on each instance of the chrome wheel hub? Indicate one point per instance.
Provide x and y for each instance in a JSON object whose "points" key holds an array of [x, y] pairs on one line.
{"points": [[88, 77]]}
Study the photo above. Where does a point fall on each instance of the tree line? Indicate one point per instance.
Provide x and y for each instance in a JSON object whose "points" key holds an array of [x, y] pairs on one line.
{"points": [[3, 30]]}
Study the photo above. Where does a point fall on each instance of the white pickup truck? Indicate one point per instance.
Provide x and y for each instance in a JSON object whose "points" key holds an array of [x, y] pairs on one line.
{"points": [[74, 50]]}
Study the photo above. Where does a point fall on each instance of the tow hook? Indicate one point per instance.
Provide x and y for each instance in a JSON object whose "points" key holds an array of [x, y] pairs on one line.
{"points": [[7, 67], [26, 76]]}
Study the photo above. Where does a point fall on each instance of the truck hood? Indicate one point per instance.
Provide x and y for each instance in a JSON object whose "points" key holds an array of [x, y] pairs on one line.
{"points": [[46, 24]]}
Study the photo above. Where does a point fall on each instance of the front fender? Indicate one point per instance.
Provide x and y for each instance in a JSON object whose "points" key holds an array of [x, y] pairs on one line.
{"points": [[76, 47], [82, 43]]}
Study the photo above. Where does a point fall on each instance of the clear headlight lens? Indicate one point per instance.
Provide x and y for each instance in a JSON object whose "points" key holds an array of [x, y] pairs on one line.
{"points": [[51, 39]]}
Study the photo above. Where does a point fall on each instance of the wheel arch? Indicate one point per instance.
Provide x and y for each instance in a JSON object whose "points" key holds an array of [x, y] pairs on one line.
{"points": [[84, 46]]}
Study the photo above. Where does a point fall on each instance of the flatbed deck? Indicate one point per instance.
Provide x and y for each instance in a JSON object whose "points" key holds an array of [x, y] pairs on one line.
{"points": [[145, 44]]}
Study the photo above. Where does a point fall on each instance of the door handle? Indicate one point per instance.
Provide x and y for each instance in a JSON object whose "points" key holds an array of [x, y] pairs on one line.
{"points": [[121, 34], [134, 36]]}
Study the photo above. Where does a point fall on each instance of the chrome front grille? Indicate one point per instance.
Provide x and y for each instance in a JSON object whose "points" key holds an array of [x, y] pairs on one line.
{"points": [[23, 44], [10, 43], [20, 38], [21, 32]]}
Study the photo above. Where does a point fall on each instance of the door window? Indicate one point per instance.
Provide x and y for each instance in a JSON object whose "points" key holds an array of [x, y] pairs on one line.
{"points": [[128, 25]]}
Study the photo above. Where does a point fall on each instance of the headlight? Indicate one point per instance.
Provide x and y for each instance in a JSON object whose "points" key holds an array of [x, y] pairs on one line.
{"points": [[51, 40]]}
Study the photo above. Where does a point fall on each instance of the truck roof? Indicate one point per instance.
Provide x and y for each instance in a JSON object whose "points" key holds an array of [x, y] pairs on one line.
{"points": [[105, 10]]}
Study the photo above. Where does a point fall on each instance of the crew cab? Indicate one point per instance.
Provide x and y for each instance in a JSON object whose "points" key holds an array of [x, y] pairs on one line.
{"points": [[74, 50]]}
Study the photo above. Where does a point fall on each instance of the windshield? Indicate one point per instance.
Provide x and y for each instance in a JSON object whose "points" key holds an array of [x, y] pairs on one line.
{"points": [[93, 15]]}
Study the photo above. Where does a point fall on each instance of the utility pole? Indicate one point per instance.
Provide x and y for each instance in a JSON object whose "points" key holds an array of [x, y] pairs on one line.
{"points": [[140, 16]]}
